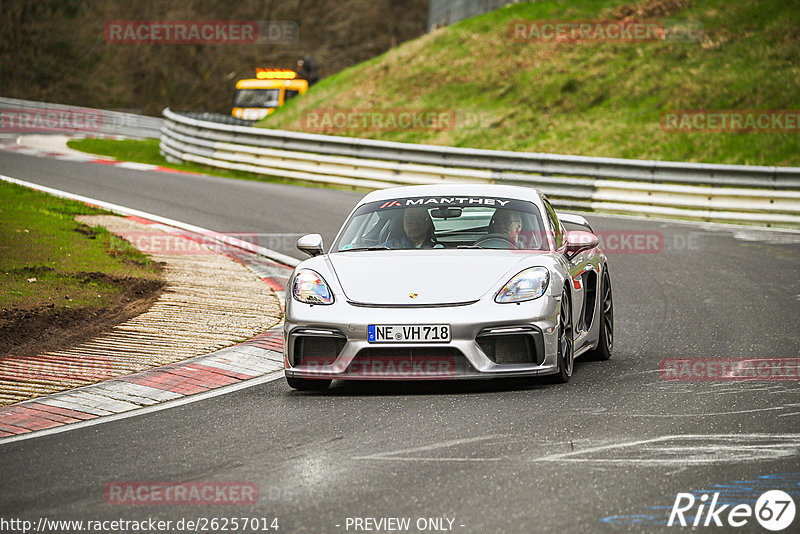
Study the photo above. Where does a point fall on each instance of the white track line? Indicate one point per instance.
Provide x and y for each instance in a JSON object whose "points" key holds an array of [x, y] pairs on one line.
{"points": [[122, 210], [709, 225]]}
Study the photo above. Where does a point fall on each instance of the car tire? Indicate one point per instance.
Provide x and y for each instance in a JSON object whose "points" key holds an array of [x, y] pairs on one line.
{"points": [[566, 341], [304, 384], [605, 343]]}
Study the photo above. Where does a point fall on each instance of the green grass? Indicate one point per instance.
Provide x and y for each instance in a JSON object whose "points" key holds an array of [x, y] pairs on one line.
{"points": [[146, 151], [588, 98], [49, 260]]}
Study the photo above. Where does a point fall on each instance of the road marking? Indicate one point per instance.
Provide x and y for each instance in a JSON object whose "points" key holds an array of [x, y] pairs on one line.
{"points": [[504, 439], [711, 226], [711, 449], [772, 239], [672, 450], [709, 414], [392, 455]]}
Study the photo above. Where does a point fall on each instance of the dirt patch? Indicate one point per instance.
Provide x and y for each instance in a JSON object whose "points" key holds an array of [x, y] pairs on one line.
{"points": [[88, 231], [651, 9], [28, 332]]}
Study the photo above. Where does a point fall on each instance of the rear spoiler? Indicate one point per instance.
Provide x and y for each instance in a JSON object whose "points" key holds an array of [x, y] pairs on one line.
{"points": [[571, 218]]}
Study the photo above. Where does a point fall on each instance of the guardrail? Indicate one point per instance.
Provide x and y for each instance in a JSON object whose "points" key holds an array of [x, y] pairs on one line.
{"points": [[731, 193], [27, 116]]}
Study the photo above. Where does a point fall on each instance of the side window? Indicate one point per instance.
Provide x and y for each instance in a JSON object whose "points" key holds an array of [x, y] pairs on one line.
{"points": [[555, 227], [290, 94]]}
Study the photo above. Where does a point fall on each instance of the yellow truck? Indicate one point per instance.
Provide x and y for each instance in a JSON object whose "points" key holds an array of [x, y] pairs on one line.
{"points": [[257, 97]]}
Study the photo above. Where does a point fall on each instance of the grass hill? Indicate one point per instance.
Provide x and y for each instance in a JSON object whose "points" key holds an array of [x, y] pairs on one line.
{"points": [[588, 97]]}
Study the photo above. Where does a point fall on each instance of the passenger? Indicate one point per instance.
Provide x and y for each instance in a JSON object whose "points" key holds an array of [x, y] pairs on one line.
{"points": [[418, 231], [509, 224]]}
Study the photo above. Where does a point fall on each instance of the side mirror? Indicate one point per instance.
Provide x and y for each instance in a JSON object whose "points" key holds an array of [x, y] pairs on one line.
{"points": [[578, 241], [311, 244], [573, 218]]}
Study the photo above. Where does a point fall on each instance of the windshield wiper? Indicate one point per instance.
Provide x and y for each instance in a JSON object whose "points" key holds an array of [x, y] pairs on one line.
{"points": [[376, 247]]}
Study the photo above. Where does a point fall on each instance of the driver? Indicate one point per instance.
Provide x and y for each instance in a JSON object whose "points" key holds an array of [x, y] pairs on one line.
{"points": [[417, 230], [509, 223]]}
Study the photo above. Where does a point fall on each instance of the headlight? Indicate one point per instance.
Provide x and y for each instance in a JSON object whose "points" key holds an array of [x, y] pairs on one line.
{"points": [[528, 285], [309, 287]]}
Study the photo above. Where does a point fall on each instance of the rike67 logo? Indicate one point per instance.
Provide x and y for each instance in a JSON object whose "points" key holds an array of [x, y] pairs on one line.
{"points": [[774, 510]]}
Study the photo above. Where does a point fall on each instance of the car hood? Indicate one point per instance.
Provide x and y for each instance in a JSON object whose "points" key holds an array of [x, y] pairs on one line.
{"points": [[382, 278]]}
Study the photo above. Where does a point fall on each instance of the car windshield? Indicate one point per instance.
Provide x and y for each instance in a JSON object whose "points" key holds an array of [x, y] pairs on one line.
{"points": [[444, 222], [256, 98]]}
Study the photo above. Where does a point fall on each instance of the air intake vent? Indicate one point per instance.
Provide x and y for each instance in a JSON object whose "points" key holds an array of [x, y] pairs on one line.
{"points": [[510, 348], [317, 350]]}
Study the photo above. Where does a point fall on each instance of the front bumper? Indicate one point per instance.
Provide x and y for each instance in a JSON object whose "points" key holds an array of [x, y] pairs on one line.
{"points": [[342, 328]]}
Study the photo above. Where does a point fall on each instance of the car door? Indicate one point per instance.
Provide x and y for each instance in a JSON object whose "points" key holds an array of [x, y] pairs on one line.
{"points": [[578, 268]]}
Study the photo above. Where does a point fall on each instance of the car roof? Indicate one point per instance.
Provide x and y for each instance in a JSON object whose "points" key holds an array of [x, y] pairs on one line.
{"points": [[455, 189]]}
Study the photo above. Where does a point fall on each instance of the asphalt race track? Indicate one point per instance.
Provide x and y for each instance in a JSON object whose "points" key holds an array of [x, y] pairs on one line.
{"points": [[609, 451]]}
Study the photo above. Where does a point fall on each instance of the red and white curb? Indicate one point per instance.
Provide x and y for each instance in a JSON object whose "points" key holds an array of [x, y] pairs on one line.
{"points": [[246, 361], [257, 360], [138, 166], [13, 145]]}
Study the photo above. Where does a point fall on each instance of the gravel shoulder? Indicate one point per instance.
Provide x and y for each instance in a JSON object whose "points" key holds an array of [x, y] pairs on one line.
{"points": [[208, 302]]}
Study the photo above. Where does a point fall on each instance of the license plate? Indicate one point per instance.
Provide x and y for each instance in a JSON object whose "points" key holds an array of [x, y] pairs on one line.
{"points": [[408, 333]]}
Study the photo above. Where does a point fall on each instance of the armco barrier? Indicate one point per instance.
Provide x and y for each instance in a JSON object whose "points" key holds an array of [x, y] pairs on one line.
{"points": [[734, 193], [26, 116]]}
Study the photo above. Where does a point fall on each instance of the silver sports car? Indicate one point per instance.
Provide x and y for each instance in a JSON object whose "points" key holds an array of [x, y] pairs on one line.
{"points": [[445, 282]]}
